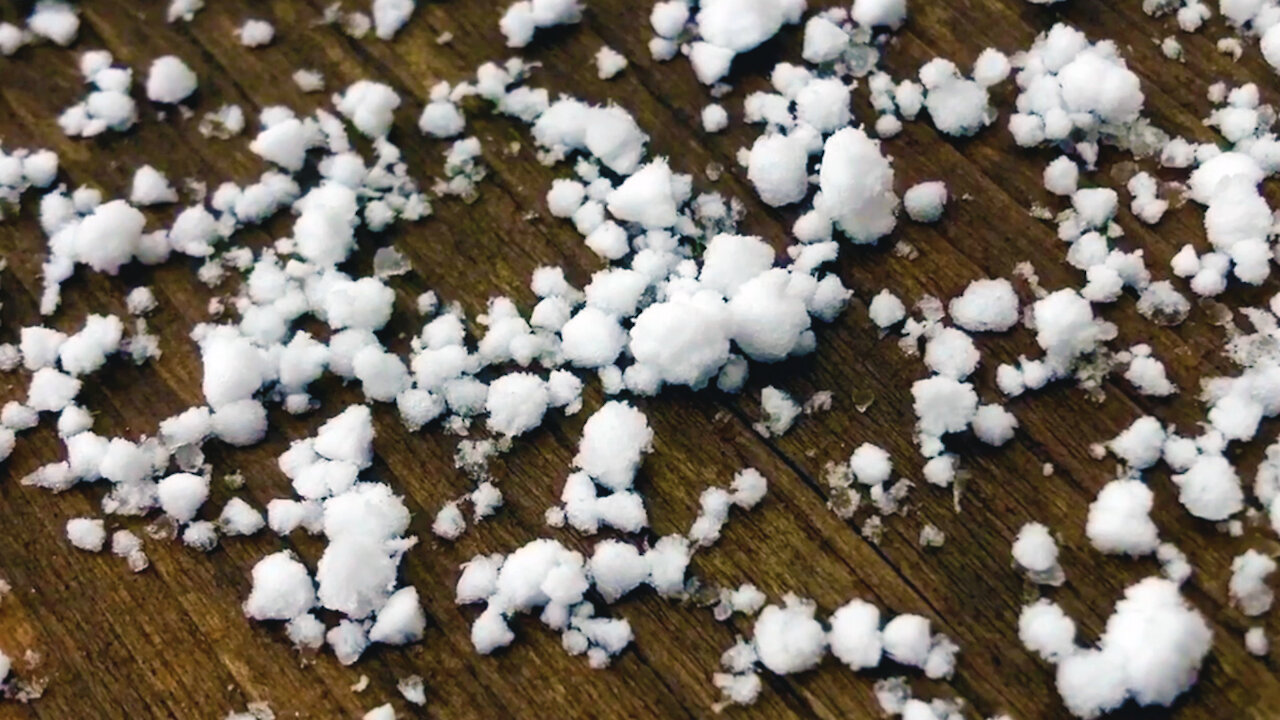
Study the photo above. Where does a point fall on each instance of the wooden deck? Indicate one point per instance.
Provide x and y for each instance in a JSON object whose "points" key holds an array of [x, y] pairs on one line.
{"points": [[172, 641]]}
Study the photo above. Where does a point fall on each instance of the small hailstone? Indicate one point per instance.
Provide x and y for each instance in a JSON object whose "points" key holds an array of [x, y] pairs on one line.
{"points": [[400, 620], [449, 522], [789, 639], [1036, 551], [855, 635], [308, 81], [370, 106], [200, 535], [1210, 488], [55, 21], [778, 168], [879, 13], [1046, 630], [886, 309], [907, 640], [870, 464], [1120, 519], [994, 425], [170, 81], [1061, 176], [140, 301], [413, 689], [952, 353], [856, 182], [151, 187], [714, 118], [129, 546], [87, 534], [1147, 375], [986, 306], [516, 403], [780, 411], [383, 712], [1255, 641], [240, 518], [609, 63], [256, 33], [391, 15], [925, 201], [1248, 587], [180, 495]]}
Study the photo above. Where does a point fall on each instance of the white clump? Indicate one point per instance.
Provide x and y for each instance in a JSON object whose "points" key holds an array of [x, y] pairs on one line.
{"points": [[1210, 488], [907, 640], [180, 495], [870, 464], [55, 21], [1248, 587], [516, 403], [924, 202], [1151, 651], [994, 425], [957, 105], [151, 187], [400, 621], [951, 352], [887, 310], [370, 106], [879, 13], [986, 306], [778, 167], [714, 118], [522, 19], [943, 405], [780, 411], [256, 33], [1255, 641], [614, 440], [685, 340], [87, 534], [1046, 630], [282, 588], [1065, 328], [1120, 519], [788, 638], [855, 635], [391, 15], [609, 63], [170, 81], [856, 181], [646, 197], [1036, 551], [1061, 177], [1147, 374]]}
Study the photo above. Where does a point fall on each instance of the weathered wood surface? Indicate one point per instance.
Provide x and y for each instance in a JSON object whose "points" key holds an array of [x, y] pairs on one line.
{"points": [[172, 642]]}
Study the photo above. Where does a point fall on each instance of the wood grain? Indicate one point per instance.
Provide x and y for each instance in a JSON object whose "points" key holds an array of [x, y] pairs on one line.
{"points": [[172, 641]]}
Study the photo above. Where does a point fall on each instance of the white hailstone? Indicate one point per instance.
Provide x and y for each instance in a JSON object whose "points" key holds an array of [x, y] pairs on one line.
{"points": [[1141, 444], [613, 136], [1210, 488], [170, 81], [729, 261], [370, 106], [241, 423], [282, 588], [668, 17], [907, 640], [1065, 327], [951, 352], [87, 534], [54, 21], [1148, 376], [925, 201], [523, 18], [714, 118], [1255, 641], [769, 320], [856, 180], [1120, 519], [401, 620], [151, 187], [308, 81], [386, 711], [5, 664], [442, 119], [565, 197], [366, 303], [943, 405], [994, 425], [140, 301], [616, 568], [391, 15], [789, 639], [1061, 176], [870, 464], [823, 103], [609, 63], [940, 470], [1091, 682], [51, 391], [108, 238], [646, 197], [824, 40], [592, 338], [986, 306], [180, 495], [685, 340], [516, 403], [855, 635], [778, 167], [741, 26], [780, 410], [256, 33], [1095, 207], [1046, 630], [239, 518], [887, 310], [1248, 587], [348, 640], [880, 13], [1270, 46], [614, 440], [1035, 549], [957, 106]]}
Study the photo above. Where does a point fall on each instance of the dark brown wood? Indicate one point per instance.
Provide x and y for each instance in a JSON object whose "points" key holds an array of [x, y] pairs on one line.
{"points": [[172, 641]]}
